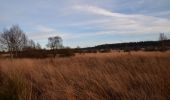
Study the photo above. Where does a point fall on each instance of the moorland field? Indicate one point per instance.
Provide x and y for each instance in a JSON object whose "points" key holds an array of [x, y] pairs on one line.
{"points": [[99, 76]]}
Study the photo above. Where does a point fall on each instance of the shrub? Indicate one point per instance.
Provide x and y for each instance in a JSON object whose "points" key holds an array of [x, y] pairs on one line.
{"points": [[150, 49], [33, 54], [91, 51], [126, 50], [105, 50], [163, 49], [65, 53]]}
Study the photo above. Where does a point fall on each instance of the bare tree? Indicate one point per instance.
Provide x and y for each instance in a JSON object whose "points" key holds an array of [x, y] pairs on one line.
{"points": [[38, 46], [54, 43], [31, 44], [14, 39], [162, 39]]}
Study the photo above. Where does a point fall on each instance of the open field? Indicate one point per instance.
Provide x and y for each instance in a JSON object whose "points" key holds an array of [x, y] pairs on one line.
{"points": [[101, 76]]}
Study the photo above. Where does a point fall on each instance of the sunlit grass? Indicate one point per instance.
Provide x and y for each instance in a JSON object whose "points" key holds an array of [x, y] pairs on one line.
{"points": [[106, 76]]}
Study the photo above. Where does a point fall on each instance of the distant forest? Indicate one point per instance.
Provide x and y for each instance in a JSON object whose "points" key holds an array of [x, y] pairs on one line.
{"points": [[145, 45], [15, 44]]}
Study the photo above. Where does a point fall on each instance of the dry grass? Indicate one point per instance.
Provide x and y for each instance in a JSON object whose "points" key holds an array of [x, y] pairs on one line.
{"points": [[110, 76]]}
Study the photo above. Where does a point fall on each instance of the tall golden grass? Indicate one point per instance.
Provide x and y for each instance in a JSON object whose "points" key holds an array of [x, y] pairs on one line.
{"points": [[106, 76]]}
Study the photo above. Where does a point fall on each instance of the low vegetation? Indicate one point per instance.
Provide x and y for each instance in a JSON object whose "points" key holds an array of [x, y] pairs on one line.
{"points": [[101, 76]]}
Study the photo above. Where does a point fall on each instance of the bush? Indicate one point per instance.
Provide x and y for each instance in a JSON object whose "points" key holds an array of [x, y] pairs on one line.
{"points": [[33, 54], [65, 53], [126, 50], [105, 50], [150, 49], [162, 49], [91, 51]]}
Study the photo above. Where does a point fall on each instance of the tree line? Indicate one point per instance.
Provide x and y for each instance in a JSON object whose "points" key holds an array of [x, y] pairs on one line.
{"points": [[14, 40], [162, 44], [16, 43]]}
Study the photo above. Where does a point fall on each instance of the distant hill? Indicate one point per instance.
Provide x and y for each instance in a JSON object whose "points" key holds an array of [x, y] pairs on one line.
{"points": [[131, 45]]}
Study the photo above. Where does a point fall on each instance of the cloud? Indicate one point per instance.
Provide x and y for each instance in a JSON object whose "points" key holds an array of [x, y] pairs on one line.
{"points": [[98, 10], [43, 32], [42, 28], [118, 23], [80, 20], [162, 13]]}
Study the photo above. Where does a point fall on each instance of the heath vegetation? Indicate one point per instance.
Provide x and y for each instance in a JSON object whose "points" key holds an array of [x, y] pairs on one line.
{"points": [[101, 76]]}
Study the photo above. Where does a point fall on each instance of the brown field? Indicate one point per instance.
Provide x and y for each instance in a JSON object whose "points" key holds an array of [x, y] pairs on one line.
{"points": [[101, 76]]}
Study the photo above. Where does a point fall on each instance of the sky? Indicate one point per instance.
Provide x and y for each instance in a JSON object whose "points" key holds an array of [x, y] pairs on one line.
{"points": [[87, 23]]}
